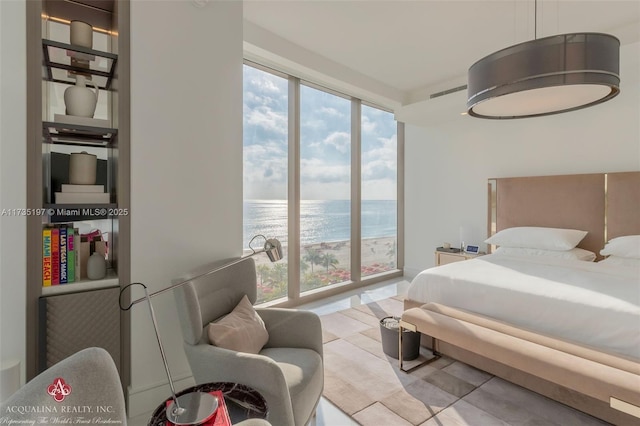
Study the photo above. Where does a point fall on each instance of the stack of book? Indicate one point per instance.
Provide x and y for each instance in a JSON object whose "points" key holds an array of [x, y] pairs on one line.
{"points": [[82, 194], [65, 254]]}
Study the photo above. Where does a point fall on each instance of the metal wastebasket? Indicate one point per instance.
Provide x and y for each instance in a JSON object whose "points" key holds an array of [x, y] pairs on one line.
{"points": [[389, 327]]}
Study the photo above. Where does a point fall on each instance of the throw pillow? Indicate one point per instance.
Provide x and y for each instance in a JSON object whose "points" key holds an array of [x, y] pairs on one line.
{"points": [[242, 330], [538, 238]]}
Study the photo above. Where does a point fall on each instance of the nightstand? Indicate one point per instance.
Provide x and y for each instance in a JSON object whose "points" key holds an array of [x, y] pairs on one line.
{"points": [[444, 257]]}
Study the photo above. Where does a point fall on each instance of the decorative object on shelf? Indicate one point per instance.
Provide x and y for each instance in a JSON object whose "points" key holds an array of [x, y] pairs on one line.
{"points": [[81, 100], [96, 266], [545, 76], [195, 407], [82, 168], [81, 34]]}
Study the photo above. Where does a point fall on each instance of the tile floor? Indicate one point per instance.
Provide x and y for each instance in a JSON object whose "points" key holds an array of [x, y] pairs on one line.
{"points": [[328, 414]]}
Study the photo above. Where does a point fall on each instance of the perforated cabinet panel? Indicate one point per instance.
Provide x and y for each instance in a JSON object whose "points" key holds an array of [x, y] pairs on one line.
{"points": [[75, 321]]}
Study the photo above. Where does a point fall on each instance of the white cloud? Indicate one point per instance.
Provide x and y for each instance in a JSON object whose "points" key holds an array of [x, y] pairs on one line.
{"points": [[265, 84], [332, 112], [367, 125], [316, 169], [341, 141], [268, 119], [265, 171]]}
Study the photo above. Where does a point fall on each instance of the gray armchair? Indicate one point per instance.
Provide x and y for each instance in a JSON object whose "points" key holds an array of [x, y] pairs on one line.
{"points": [[288, 371], [94, 391]]}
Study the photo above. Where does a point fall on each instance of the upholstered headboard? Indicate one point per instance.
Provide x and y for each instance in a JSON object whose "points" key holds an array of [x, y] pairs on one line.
{"points": [[623, 204], [606, 205]]}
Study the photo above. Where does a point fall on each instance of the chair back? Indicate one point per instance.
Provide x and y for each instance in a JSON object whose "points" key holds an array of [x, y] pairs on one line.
{"points": [[208, 298]]}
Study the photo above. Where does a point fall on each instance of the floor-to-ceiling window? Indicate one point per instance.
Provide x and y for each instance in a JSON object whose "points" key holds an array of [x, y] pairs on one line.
{"points": [[265, 159], [321, 175], [379, 185], [325, 188]]}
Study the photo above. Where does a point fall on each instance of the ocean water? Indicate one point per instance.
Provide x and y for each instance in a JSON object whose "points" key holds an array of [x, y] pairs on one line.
{"points": [[320, 221]]}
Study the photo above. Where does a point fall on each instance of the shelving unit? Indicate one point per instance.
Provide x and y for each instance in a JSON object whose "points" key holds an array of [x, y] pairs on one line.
{"points": [[62, 58], [78, 135], [109, 281], [53, 64], [65, 133]]}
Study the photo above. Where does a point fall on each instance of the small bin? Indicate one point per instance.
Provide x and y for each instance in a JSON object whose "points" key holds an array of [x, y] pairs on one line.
{"points": [[389, 327]]}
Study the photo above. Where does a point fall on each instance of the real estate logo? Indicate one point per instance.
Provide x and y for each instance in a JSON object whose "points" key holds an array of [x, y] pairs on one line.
{"points": [[59, 389]]}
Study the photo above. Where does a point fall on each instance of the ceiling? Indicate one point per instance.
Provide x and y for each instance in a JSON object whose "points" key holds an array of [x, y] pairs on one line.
{"points": [[413, 48]]}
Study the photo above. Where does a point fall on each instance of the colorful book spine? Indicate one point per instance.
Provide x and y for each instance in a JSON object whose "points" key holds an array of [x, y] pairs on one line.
{"points": [[77, 244], [55, 256], [46, 257], [71, 256], [63, 254]]}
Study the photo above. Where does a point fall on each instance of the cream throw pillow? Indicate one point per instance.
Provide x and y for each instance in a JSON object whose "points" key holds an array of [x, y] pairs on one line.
{"points": [[242, 330]]}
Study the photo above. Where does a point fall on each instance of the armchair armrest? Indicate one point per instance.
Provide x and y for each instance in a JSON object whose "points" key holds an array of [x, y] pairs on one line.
{"points": [[213, 364], [291, 328]]}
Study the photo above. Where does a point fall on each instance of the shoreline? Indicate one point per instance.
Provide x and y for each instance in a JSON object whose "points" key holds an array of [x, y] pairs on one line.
{"points": [[375, 251]]}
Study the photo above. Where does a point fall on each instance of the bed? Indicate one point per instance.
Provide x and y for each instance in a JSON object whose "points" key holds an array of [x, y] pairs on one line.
{"points": [[567, 329]]}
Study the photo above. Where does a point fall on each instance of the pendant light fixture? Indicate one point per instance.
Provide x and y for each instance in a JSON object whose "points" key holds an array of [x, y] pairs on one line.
{"points": [[545, 76]]}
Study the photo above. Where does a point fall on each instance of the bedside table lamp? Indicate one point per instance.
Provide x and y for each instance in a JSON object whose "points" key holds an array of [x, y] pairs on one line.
{"points": [[195, 407]]}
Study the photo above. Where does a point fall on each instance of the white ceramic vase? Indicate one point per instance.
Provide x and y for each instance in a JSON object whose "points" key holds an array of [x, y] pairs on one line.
{"points": [[96, 266], [81, 34], [82, 168], [80, 100]]}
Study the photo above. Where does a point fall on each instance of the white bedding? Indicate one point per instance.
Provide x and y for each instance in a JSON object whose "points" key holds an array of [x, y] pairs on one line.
{"points": [[590, 303]]}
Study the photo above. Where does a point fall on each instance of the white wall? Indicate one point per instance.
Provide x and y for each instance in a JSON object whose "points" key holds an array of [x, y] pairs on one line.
{"points": [[186, 165], [13, 162], [447, 165]]}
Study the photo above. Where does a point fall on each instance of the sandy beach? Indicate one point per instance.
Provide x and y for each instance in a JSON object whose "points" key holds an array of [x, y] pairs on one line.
{"points": [[375, 251]]}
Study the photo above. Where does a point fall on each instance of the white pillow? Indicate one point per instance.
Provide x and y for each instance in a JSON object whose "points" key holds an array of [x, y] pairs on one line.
{"points": [[575, 253], [538, 238], [627, 246], [242, 330], [620, 261]]}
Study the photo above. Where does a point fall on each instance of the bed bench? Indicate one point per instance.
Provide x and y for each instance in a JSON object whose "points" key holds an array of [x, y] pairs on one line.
{"points": [[602, 384]]}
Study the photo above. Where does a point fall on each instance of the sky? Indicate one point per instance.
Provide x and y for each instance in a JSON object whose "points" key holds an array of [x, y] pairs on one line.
{"points": [[325, 143]]}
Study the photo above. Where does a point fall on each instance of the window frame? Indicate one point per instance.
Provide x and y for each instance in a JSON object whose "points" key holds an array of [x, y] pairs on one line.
{"points": [[294, 297]]}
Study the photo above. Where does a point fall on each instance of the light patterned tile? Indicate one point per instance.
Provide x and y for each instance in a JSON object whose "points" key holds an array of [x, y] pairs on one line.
{"points": [[327, 336], [513, 414], [373, 333], [383, 308], [368, 344], [341, 325], [442, 362], [364, 317], [418, 401], [378, 415], [449, 383], [464, 414], [546, 408], [327, 414], [364, 371], [344, 395], [467, 373]]}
